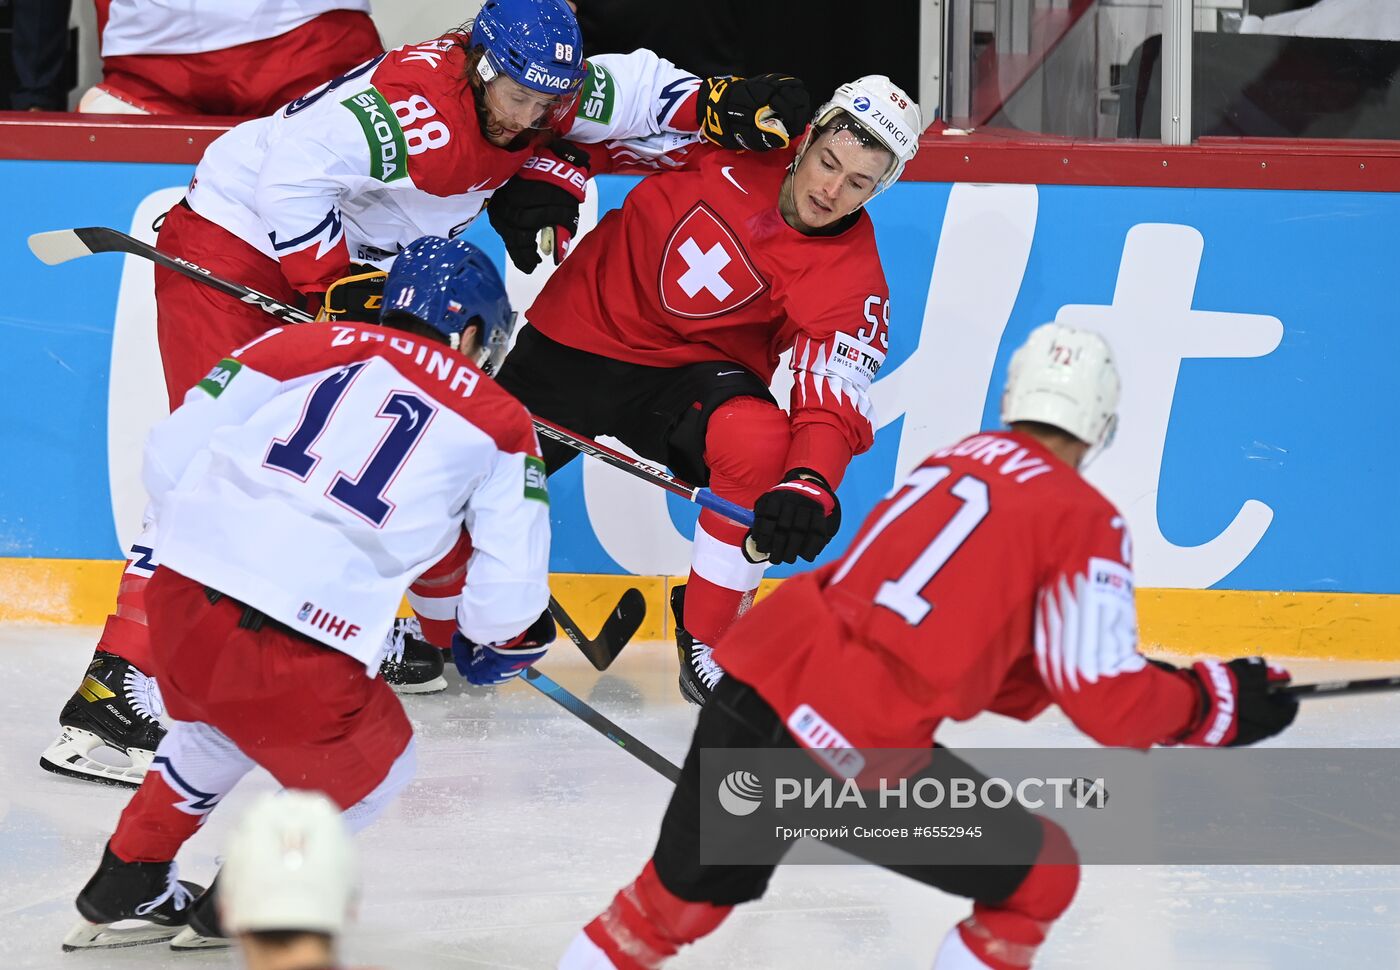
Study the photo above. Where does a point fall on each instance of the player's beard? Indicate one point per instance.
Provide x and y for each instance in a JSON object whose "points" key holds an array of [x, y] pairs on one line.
{"points": [[491, 131]]}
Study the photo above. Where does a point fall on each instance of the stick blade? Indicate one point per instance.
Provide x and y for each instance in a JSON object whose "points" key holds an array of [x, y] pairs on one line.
{"points": [[58, 246], [620, 627]]}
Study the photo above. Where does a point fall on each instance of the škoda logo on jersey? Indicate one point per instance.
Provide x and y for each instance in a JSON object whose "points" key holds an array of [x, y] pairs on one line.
{"points": [[596, 99], [705, 272], [388, 150]]}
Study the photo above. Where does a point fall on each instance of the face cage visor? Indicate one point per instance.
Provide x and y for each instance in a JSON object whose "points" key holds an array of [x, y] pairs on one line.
{"points": [[514, 105], [492, 353], [839, 119]]}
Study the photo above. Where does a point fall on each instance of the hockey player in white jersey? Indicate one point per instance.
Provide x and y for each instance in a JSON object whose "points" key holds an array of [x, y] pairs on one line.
{"points": [[298, 491], [411, 143], [243, 58]]}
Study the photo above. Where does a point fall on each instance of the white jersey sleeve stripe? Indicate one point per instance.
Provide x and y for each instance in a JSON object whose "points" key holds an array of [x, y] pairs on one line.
{"points": [[1088, 630]]}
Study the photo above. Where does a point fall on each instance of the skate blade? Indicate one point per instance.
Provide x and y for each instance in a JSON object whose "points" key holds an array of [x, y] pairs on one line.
{"points": [[427, 687], [71, 756], [188, 939], [107, 936]]}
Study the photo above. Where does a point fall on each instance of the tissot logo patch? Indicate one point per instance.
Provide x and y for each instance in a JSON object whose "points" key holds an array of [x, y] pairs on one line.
{"points": [[705, 272]]}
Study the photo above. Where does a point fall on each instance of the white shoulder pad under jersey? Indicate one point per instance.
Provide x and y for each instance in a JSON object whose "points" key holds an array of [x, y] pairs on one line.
{"points": [[317, 472]]}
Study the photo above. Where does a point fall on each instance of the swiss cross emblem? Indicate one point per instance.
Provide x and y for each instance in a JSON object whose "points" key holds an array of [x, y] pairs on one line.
{"points": [[704, 270]]}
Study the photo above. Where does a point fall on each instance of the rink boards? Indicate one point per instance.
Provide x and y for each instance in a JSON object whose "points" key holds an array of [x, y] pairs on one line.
{"points": [[1256, 330]]}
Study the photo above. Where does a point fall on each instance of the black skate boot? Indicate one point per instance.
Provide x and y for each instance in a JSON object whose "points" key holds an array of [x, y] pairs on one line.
{"points": [[120, 891], [413, 665], [203, 931], [116, 713], [699, 672]]}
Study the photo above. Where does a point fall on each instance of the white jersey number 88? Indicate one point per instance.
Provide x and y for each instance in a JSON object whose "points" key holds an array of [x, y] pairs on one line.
{"points": [[420, 138]]}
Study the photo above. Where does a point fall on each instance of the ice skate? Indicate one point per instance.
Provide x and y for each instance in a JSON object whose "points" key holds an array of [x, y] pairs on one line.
{"points": [[110, 727], [203, 931], [147, 897], [699, 672], [413, 665]]}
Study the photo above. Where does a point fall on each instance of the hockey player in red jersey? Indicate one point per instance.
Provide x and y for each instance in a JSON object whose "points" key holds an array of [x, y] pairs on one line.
{"points": [[301, 487], [993, 578], [664, 329], [412, 142], [223, 57]]}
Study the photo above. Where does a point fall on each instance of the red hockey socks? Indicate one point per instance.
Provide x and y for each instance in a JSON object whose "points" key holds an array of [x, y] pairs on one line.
{"points": [[646, 923], [434, 594], [1006, 936], [746, 444], [722, 582], [126, 634], [152, 828]]}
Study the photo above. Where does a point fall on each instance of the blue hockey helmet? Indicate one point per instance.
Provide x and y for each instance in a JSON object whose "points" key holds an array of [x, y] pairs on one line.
{"points": [[449, 284], [537, 45]]}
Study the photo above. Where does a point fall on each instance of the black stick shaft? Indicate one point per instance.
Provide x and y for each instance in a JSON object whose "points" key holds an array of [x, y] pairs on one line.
{"points": [[1335, 688], [552, 689]]}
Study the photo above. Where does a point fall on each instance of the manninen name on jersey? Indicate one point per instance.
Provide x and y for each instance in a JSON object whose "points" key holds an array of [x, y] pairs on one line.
{"points": [[445, 365], [388, 149]]}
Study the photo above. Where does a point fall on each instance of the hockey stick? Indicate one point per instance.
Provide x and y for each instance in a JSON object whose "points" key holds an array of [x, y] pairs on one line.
{"points": [[62, 245], [619, 628], [702, 497], [551, 689], [1335, 688]]}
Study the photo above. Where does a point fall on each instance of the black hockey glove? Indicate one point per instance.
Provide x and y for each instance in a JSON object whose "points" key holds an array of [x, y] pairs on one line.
{"points": [[739, 112], [356, 297], [544, 195], [796, 517], [1237, 705]]}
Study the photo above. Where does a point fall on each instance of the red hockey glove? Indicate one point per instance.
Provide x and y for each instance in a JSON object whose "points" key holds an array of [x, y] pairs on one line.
{"points": [[796, 517], [1236, 707], [543, 196], [758, 113]]}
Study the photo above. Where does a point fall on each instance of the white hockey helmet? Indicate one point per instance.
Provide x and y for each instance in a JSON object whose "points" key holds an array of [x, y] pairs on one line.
{"points": [[290, 865], [881, 108], [1064, 377]]}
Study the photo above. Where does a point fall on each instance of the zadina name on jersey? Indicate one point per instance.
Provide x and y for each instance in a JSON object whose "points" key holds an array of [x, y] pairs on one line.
{"points": [[319, 470], [392, 150]]}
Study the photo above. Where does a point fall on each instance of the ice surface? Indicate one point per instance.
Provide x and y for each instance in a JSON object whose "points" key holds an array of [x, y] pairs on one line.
{"points": [[522, 823]]}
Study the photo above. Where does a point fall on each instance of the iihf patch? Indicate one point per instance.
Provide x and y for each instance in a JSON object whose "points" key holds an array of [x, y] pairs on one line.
{"points": [[305, 611]]}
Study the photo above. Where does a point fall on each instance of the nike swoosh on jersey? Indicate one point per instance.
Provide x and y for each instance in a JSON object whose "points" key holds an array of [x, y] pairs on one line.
{"points": [[725, 172]]}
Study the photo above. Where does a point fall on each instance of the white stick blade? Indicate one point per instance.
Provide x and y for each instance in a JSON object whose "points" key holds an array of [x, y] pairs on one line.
{"points": [[58, 246]]}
